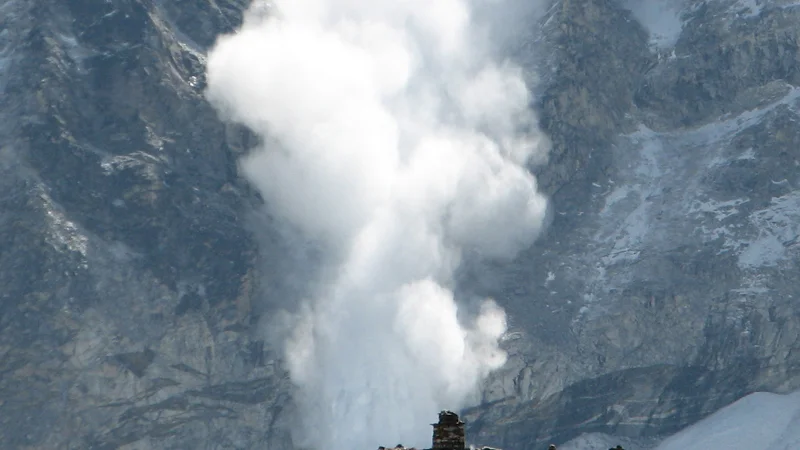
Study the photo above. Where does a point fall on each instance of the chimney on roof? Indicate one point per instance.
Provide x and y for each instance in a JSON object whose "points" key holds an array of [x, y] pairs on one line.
{"points": [[448, 434]]}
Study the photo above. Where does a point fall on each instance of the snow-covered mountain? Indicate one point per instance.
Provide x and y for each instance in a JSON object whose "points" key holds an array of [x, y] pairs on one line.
{"points": [[137, 293]]}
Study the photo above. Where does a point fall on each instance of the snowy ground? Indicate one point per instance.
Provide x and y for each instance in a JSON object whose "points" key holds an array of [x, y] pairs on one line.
{"points": [[760, 421]]}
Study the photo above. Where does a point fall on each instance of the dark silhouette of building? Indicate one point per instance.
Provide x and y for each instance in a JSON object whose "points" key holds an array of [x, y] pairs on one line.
{"points": [[448, 434]]}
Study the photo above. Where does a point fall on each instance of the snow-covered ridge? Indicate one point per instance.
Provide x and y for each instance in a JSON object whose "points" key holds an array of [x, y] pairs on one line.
{"points": [[759, 421]]}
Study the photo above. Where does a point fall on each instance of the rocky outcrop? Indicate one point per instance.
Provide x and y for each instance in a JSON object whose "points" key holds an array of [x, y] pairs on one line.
{"points": [[721, 57], [666, 293], [127, 270], [591, 88]]}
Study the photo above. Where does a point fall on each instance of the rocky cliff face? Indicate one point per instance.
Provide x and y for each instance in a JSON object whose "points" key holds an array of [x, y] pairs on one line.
{"points": [[665, 287], [133, 282], [127, 272]]}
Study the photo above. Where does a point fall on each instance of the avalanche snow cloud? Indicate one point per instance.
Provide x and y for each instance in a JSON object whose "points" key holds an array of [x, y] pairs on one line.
{"points": [[398, 142]]}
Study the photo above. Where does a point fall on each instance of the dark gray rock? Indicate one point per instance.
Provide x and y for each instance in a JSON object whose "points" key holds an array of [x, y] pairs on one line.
{"points": [[127, 269], [663, 289]]}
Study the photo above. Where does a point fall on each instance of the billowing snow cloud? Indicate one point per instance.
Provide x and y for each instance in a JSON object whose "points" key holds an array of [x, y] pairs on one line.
{"points": [[397, 141]]}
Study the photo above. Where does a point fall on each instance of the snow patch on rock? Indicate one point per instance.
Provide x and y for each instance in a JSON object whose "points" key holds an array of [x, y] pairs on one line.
{"points": [[662, 201], [778, 232], [661, 18]]}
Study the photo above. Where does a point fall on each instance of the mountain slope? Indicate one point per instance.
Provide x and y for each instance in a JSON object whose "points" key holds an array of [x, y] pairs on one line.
{"points": [[666, 279], [137, 268], [127, 269]]}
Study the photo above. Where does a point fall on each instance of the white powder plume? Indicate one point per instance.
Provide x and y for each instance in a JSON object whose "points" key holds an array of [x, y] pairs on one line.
{"points": [[398, 141]]}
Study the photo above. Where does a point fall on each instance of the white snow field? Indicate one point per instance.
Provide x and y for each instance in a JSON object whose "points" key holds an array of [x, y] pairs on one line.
{"points": [[759, 421]]}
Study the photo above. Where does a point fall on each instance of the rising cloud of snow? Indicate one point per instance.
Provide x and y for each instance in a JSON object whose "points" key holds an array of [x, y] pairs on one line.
{"points": [[397, 141]]}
